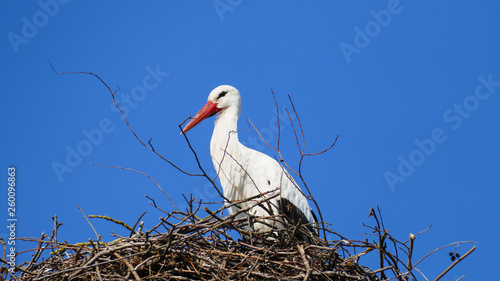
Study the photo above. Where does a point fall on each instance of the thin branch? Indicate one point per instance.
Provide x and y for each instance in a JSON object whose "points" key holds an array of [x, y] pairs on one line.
{"points": [[111, 220], [325, 150], [199, 163], [295, 133], [440, 248], [97, 235], [150, 147], [142, 173], [300, 125], [278, 120], [455, 263], [136, 222], [279, 152]]}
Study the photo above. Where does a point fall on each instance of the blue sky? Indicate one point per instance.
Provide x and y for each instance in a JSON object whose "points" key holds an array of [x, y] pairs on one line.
{"points": [[410, 87]]}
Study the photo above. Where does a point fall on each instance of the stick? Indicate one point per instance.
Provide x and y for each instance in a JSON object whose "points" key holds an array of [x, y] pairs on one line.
{"points": [[455, 263]]}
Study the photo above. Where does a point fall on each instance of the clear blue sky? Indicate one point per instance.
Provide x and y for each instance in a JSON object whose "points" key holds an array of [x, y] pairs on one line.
{"points": [[411, 87]]}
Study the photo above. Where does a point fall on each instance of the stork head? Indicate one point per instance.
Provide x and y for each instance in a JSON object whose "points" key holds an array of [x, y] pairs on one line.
{"points": [[224, 99]]}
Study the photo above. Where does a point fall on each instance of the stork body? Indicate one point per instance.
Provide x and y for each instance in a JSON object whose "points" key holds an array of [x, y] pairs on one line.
{"points": [[244, 172]]}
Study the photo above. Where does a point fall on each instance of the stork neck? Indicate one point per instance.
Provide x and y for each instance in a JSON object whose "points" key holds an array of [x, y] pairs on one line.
{"points": [[225, 135]]}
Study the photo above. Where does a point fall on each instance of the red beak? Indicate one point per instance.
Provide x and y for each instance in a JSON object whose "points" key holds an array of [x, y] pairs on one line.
{"points": [[208, 110]]}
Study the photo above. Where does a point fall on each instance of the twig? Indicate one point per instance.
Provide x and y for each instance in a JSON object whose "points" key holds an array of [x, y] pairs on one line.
{"points": [[278, 120], [124, 118], [410, 251], [142, 173], [199, 163], [136, 222], [97, 235], [111, 220], [440, 248], [455, 263]]}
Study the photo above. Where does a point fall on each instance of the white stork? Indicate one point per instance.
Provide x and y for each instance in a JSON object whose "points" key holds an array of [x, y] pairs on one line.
{"points": [[244, 172]]}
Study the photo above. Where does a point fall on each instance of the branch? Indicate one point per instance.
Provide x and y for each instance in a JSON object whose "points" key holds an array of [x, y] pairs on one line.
{"points": [[440, 248], [199, 164], [142, 173], [111, 220], [150, 147], [455, 263]]}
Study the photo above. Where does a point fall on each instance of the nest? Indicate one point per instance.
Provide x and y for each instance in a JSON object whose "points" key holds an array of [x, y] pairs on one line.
{"points": [[199, 244]]}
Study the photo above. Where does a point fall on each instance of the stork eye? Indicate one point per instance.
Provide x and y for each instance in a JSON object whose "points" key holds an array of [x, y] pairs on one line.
{"points": [[223, 93]]}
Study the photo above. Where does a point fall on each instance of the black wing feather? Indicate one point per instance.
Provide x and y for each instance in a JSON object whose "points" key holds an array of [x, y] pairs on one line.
{"points": [[296, 216]]}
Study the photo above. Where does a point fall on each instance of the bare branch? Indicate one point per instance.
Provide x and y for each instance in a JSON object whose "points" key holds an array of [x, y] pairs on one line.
{"points": [[142, 173], [97, 235], [300, 125], [455, 263], [199, 164], [150, 147], [440, 248], [278, 120]]}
